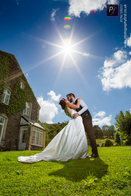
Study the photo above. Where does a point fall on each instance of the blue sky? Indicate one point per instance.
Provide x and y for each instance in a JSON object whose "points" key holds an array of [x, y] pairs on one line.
{"points": [[97, 66]]}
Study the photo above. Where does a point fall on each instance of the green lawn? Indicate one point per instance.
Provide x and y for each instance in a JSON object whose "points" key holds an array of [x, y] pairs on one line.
{"points": [[108, 175]]}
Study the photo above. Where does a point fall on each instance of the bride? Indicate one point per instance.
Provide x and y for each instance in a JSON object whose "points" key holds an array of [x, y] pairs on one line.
{"points": [[69, 143]]}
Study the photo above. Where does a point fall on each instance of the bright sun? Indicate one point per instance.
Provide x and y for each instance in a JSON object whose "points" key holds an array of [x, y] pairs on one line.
{"points": [[67, 49]]}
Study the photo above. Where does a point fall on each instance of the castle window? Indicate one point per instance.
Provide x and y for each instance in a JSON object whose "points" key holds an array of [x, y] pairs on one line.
{"points": [[6, 96], [22, 85], [37, 137], [27, 109], [2, 122]]}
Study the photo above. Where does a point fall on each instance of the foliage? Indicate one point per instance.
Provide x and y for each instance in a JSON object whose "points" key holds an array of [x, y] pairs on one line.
{"points": [[98, 132], [18, 96], [117, 138], [127, 141], [108, 131], [101, 142], [105, 132], [4, 68], [108, 175], [108, 143], [123, 125]]}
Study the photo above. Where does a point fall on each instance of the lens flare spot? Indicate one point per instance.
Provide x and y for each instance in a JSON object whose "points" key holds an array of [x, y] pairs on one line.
{"points": [[67, 18], [67, 26]]}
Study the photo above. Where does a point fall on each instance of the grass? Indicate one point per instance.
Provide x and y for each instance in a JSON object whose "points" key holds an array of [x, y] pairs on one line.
{"points": [[108, 175]]}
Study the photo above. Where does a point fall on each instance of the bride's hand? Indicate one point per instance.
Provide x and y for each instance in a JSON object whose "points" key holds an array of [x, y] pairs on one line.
{"points": [[66, 101], [79, 99]]}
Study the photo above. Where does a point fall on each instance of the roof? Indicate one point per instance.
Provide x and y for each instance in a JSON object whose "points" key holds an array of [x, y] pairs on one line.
{"points": [[27, 121], [12, 76]]}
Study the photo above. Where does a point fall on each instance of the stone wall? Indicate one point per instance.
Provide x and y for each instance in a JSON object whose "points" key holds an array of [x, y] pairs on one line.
{"points": [[11, 137], [35, 110], [12, 132]]}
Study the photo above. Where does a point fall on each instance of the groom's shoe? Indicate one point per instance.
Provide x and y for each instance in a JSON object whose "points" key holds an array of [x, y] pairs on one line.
{"points": [[93, 156]]}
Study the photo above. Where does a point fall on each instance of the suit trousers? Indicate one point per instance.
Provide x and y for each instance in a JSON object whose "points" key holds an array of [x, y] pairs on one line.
{"points": [[87, 121]]}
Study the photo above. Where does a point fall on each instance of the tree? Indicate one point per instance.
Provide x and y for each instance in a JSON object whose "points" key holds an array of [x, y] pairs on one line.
{"points": [[108, 131], [123, 125], [105, 130], [117, 138], [98, 132], [111, 131]]}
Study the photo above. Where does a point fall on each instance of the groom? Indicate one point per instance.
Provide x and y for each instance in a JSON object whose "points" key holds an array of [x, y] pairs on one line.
{"points": [[87, 121]]}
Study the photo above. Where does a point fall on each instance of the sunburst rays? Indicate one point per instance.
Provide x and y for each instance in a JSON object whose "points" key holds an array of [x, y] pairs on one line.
{"points": [[68, 49]]}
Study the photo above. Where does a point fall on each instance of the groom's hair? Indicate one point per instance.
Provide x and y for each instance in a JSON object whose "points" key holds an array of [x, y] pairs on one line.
{"points": [[70, 94]]}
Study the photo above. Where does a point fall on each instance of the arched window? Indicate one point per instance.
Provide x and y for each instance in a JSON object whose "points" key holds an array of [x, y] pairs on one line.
{"points": [[22, 85]]}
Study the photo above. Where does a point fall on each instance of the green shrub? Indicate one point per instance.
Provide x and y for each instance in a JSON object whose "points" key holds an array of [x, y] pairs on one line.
{"points": [[108, 143]]}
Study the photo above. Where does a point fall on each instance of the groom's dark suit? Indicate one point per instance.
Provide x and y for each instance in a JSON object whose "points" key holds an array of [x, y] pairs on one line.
{"points": [[87, 121]]}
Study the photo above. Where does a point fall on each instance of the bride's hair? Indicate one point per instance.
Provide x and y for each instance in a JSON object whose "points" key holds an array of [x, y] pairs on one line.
{"points": [[62, 103]]}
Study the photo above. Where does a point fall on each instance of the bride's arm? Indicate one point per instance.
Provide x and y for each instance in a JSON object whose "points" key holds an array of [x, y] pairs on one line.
{"points": [[73, 106]]}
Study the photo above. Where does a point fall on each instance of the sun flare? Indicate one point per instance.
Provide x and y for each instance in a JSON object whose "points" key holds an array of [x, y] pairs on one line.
{"points": [[67, 47]]}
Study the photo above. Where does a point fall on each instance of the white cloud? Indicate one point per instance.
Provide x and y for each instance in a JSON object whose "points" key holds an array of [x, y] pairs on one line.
{"points": [[48, 107], [78, 6], [130, 53], [100, 114], [100, 119], [115, 74], [53, 96], [53, 14], [120, 55], [129, 41]]}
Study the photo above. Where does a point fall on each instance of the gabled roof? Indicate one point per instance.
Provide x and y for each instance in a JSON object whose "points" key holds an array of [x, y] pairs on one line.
{"points": [[27, 121], [16, 74]]}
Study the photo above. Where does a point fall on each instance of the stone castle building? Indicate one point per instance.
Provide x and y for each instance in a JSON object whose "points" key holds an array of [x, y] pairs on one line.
{"points": [[19, 109]]}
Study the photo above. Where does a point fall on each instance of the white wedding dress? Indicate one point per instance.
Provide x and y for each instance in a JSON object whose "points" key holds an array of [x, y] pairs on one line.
{"points": [[69, 143]]}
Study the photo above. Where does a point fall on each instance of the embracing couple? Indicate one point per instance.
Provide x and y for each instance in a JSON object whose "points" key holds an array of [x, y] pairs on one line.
{"points": [[71, 141]]}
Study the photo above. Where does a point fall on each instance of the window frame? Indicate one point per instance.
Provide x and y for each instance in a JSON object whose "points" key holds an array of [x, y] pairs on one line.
{"points": [[40, 141], [22, 85], [26, 109], [3, 125], [5, 96]]}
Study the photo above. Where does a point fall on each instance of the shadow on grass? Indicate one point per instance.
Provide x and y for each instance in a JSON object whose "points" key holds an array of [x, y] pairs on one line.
{"points": [[77, 170]]}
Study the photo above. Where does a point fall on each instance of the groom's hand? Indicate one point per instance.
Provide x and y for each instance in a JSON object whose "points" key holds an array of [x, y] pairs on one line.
{"points": [[75, 115]]}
